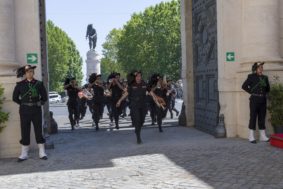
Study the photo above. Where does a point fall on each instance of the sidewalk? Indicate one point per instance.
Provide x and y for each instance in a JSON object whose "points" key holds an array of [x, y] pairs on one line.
{"points": [[178, 158]]}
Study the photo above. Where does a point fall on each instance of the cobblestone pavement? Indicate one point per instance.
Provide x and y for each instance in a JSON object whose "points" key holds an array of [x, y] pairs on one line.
{"points": [[178, 158]]}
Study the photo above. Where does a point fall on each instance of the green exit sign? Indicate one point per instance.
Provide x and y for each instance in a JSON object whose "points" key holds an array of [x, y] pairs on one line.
{"points": [[230, 56], [32, 58]]}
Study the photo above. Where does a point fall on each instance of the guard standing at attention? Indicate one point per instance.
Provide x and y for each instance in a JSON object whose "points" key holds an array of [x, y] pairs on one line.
{"points": [[30, 94], [257, 85]]}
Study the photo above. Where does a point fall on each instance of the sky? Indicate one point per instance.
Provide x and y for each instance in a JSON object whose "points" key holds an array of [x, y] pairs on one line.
{"points": [[73, 16]]}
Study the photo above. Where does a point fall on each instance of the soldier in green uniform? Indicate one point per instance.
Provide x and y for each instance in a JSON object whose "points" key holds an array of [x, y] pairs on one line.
{"points": [[30, 94], [257, 85]]}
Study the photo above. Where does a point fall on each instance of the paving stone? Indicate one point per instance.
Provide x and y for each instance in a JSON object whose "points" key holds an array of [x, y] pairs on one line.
{"points": [[178, 158]]}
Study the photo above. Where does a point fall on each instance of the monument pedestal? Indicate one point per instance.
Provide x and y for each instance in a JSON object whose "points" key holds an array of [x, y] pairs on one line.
{"points": [[92, 62]]}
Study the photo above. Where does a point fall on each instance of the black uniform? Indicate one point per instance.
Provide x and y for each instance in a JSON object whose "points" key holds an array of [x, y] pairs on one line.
{"points": [[30, 95], [82, 107], [137, 100], [116, 95], [152, 109], [98, 104], [171, 102], [258, 87], [160, 112], [73, 105]]}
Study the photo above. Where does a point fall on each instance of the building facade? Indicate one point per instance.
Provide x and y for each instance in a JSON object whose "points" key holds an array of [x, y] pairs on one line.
{"points": [[221, 39]]}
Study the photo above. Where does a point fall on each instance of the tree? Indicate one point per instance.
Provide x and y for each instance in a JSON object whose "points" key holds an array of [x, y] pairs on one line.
{"points": [[4, 116], [151, 41], [64, 59], [109, 62]]}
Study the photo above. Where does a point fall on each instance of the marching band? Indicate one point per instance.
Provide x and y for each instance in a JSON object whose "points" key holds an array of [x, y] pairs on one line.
{"points": [[139, 96]]}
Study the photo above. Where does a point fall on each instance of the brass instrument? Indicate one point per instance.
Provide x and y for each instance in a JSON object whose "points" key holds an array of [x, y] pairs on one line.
{"points": [[123, 97], [87, 94], [107, 92], [160, 102]]}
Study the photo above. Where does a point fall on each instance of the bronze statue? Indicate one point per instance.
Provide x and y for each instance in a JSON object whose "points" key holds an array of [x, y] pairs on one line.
{"points": [[92, 36]]}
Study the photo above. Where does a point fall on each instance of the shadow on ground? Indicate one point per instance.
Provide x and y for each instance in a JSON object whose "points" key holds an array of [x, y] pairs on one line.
{"points": [[233, 161]]}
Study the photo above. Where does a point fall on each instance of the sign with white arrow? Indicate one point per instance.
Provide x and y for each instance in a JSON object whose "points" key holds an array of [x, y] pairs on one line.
{"points": [[230, 56], [32, 58]]}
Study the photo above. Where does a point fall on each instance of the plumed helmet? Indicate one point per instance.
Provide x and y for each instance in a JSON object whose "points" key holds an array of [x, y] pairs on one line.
{"points": [[256, 65], [22, 70], [154, 79]]}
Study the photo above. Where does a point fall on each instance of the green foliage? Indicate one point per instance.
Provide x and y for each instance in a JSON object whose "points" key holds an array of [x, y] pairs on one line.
{"points": [[109, 61], [275, 106], [63, 58], [150, 41], [3, 115]]}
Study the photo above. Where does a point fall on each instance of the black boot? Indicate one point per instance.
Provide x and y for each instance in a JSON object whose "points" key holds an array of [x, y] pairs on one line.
{"points": [[160, 128], [139, 141], [117, 125], [72, 125], [96, 127]]}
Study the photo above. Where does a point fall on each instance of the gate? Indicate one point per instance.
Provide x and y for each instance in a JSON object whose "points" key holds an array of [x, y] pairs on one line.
{"points": [[205, 64]]}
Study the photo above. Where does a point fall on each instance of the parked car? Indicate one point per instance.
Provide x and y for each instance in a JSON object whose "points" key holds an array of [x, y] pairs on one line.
{"points": [[54, 98]]}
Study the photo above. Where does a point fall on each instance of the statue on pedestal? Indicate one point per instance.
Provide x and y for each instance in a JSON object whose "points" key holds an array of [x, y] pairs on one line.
{"points": [[92, 36]]}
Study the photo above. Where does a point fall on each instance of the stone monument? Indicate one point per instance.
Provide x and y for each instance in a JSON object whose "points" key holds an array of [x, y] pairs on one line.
{"points": [[92, 63], [93, 58]]}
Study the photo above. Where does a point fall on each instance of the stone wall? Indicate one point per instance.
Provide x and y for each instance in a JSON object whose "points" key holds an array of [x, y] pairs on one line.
{"points": [[252, 29]]}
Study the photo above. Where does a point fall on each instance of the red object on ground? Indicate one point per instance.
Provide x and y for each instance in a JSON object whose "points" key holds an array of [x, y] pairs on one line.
{"points": [[277, 140]]}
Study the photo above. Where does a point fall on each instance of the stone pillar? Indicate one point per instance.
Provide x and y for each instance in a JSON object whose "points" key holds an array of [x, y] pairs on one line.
{"points": [[260, 34], [187, 60], [92, 63], [7, 38]]}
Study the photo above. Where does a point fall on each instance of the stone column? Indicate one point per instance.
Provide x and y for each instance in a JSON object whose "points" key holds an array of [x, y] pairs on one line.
{"points": [[187, 60], [92, 63], [260, 33], [7, 38]]}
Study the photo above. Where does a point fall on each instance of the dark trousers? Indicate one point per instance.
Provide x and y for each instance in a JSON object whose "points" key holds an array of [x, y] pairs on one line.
{"points": [[171, 107], [109, 109], [90, 106], [73, 109], [153, 113], [138, 116], [97, 111], [82, 111], [116, 112], [160, 114], [257, 110], [28, 115]]}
